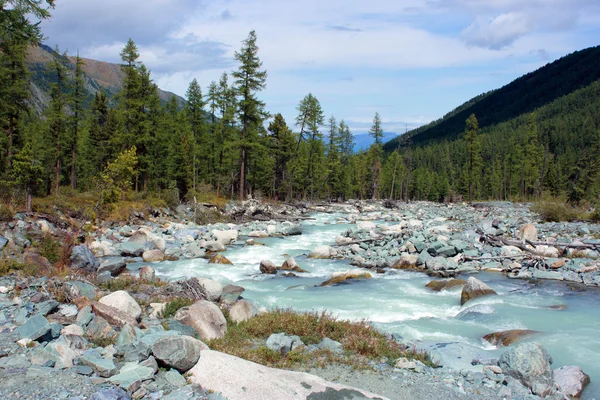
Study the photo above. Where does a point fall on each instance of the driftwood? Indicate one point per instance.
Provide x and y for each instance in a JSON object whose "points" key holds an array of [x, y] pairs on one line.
{"points": [[356, 242], [265, 218], [495, 257]]}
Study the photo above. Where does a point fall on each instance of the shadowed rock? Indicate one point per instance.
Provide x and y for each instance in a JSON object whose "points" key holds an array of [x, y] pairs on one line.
{"points": [[530, 364], [571, 380], [343, 277], [474, 289], [219, 259], [506, 338], [438, 286]]}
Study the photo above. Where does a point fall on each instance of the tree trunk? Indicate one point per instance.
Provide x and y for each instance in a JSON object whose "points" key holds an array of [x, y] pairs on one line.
{"points": [[73, 174], [57, 176], [242, 173], [28, 200]]}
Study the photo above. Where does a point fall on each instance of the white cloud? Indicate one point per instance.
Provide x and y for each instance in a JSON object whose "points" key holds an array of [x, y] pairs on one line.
{"points": [[499, 32]]}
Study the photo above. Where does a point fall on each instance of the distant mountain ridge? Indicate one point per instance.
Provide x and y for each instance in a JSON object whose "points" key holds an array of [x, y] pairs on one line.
{"points": [[523, 95], [98, 75]]}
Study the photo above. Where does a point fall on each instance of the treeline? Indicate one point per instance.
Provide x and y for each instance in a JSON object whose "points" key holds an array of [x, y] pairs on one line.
{"points": [[224, 140], [554, 150]]}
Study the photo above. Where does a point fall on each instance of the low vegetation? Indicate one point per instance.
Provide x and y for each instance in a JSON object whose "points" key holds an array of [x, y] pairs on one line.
{"points": [[361, 342], [174, 305], [559, 211]]}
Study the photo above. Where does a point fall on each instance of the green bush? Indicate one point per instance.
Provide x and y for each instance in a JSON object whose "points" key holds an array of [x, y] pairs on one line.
{"points": [[174, 305]]}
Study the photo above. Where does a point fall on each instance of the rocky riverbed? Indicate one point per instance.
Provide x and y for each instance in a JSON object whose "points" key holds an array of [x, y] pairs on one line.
{"points": [[93, 341]]}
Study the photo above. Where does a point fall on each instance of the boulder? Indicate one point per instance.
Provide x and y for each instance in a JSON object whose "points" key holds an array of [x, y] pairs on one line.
{"points": [[72, 329], [216, 370], [225, 236], [82, 289], [267, 267], [219, 259], [365, 225], [147, 273], [475, 311], [528, 232], [179, 352], [530, 364], [283, 344], [338, 278], [242, 311], [131, 375], [99, 328], [322, 252], [214, 246], [34, 328], [506, 338], [153, 255], [83, 258], [3, 242], [473, 289], [438, 286], [292, 230], [231, 293], [406, 261], [211, 290], [291, 265], [258, 234], [104, 366], [205, 317], [571, 380], [113, 265], [131, 249], [113, 315], [122, 301]]}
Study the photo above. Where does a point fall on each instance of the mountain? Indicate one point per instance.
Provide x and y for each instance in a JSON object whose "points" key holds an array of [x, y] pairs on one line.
{"points": [[98, 75], [362, 141], [524, 95]]}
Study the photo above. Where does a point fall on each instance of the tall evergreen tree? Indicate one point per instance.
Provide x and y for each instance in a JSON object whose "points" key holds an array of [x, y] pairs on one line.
{"points": [[376, 130], [249, 80], [474, 161]]}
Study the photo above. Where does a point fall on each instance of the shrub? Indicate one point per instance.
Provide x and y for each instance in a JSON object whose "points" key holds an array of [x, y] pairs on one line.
{"points": [[6, 212], [174, 305], [555, 211], [361, 341]]}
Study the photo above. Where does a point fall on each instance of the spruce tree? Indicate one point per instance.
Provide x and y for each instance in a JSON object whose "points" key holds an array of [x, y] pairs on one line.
{"points": [[473, 149], [249, 80]]}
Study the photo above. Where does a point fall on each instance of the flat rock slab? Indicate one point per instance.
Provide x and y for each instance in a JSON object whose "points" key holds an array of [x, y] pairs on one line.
{"points": [[238, 379]]}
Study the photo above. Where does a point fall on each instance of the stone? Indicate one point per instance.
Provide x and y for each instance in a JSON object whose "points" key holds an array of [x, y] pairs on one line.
{"points": [[219, 259], [34, 328], [440, 264], [331, 345], [147, 273], [571, 380], [68, 310], [338, 278], [291, 265], [211, 290], [528, 232], [110, 393], [530, 364], [242, 311], [406, 261], [179, 352], [438, 286], [214, 246], [258, 234], [122, 301], [127, 335], [405, 363], [553, 275], [447, 251], [225, 236], [113, 315], [83, 258], [84, 370], [151, 363], [131, 375], [99, 328], [231, 293], [282, 343], [506, 338], [322, 252], [292, 230], [72, 329], [154, 255], [267, 267], [78, 289], [3, 242], [174, 378], [365, 225], [85, 316], [158, 310], [46, 307], [475, 311], [509, 251], [205, 317], [473, 289], [217, 371], [104, 367], [131, 249]]}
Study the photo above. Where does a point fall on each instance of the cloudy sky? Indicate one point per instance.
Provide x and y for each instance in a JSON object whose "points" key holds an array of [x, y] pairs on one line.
{"points": [[410, 60]]}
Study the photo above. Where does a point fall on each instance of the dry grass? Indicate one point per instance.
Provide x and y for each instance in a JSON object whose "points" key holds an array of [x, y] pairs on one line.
{"points": [[361, 342], [128, 284]]}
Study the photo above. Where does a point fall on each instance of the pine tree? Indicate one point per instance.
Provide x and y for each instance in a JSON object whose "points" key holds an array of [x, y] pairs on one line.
{"points": [[376, 130], [249, 79], [77, 116], [27, 173], [195, 113], [473, 148], [57, 118]]}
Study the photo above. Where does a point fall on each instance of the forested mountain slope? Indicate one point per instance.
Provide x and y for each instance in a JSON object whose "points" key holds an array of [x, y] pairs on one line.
{"points": [[522, 96], [98, 75]]}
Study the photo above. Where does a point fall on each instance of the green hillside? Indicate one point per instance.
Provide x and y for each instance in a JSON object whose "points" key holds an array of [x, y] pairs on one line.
{"points": [[523, 95]]}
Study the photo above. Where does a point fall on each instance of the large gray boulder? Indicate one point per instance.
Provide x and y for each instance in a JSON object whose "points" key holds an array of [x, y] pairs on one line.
{"points": [[104, 366], [474, 289], [179, 352], [112, 265], [267, 267], [282, 343], [205, 317], [242, 311], [571, 380], [122, 301], [83, 258], [530, 364], [131, 375], [34, 328], [216, 370], [212, 290]]}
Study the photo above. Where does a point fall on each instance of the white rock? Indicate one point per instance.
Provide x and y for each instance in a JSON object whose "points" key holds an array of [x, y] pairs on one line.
{"points": [[225, 236], [365, 225], [72, 330], [258, 234], [217, 371], [24, 342], [157, 309], [511, 251], [122, 301], [322, 252], [212, 289]]}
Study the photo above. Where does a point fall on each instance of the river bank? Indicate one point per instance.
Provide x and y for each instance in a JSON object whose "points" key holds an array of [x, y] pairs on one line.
{"points": [[381, 236]]}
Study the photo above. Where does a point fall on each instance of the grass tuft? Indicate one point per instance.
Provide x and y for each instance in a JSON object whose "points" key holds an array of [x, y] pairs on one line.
{"points": [[361, 341], [174, 305]]}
